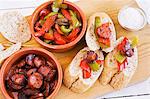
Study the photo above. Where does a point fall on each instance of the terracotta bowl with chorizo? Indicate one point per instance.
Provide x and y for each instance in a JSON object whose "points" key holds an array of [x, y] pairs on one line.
{"points": [[58, 25], [31, 73]]}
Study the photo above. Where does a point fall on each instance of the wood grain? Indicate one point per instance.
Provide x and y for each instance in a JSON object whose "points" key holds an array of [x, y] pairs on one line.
{"points": [[111, 7]]}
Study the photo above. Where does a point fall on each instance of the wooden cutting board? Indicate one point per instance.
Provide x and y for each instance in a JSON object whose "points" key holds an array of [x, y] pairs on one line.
{"points": [[111, 7]]}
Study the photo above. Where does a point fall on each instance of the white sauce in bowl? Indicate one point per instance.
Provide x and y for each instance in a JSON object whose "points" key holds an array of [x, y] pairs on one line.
{"points": [[131, 18]]}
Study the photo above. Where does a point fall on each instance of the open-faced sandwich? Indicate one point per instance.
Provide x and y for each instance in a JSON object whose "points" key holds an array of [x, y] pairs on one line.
{"points": [[100, 32], [84, 70], [120, 64]]}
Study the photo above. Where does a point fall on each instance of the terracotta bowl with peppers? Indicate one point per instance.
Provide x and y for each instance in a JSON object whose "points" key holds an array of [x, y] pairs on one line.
{"points": [[31, 73], [58, 25]]}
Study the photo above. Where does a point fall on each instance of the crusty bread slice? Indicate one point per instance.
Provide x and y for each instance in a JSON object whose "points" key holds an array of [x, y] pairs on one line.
{"points": [[14, 27], [122, 78], [91, 39], [73, 77], [9, 51]]}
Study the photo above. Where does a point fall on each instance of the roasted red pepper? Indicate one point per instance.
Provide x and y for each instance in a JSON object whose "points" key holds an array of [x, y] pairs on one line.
{"points": [[122, 65], [86, 74], [46, 26], [66, 14], [122, 44], [48, 36], [58, 29], [104, 41], [74, 33], [59, 39], [100, 61], [85, 66]]}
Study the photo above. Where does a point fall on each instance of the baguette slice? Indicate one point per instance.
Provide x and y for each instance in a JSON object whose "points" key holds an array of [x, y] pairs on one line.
{"points": [[73, 77], [14, 27], [120, 79], [91, 38], [9, 51]]}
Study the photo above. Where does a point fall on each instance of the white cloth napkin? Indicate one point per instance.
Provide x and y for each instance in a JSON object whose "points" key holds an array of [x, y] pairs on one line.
{"points": [[145, 6]]}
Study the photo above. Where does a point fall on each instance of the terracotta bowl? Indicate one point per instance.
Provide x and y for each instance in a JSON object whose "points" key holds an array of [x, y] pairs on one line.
{"points": [[16, 56], [65, 47]]}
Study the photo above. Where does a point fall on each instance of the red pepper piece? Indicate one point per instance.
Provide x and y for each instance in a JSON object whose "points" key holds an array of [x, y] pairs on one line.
{"points": [[46, 26], [74, 38], [104, 41], [73, 33], [48, 36], [59, 39], [100, 61], [66, 14], [85, 66], [122, 65], [58, 29], [86, 74], [122, 44]]}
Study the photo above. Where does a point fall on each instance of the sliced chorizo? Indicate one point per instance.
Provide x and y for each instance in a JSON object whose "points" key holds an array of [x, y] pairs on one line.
{"points": [[31, 71], [30, 59], [21, 63], [44, 70], [53, 85], [30, 92], [35, 80], [15, 95], [39, 61], [19, 79], [51, 75], [13, 86], [37, 96], [47, 89]]}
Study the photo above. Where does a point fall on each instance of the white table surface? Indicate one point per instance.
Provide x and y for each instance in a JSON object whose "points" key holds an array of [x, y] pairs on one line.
{"points": [[26, 7]]}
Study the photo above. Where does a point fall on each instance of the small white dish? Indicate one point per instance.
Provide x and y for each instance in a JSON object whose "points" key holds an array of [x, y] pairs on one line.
{"points": [[126, 19]]}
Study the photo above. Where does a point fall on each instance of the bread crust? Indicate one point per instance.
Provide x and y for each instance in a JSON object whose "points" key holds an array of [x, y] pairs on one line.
{"points": [[121, 79], [73, 78]]}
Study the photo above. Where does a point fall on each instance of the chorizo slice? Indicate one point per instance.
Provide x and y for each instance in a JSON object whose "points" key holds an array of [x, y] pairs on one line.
{"points": [[39, 61], [18, 79], [15, 95], [51, 75], [29, 59], [35, 80], [53, 86], [13, 86], [30, 92], [21, 63], [31, 71], [44, 70], [37, 96]]}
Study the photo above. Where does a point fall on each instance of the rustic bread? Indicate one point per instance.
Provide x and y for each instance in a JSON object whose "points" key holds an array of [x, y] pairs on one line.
{"points": [[91, 39], [73, 77], [9, 51], [120, 79], [14, 27]]}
